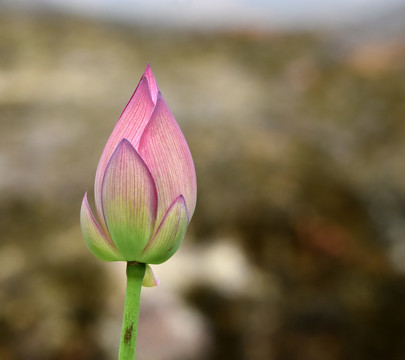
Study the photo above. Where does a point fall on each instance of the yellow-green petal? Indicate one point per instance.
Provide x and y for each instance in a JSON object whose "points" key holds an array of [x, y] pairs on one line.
{"points": [[169, 234], [129, 201], [94, 237]]}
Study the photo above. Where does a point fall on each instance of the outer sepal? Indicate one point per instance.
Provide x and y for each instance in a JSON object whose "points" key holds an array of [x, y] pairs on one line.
{"points": [[149, 279]]}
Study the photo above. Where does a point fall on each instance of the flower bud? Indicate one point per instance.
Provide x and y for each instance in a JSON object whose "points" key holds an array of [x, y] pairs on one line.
{"points": [[145, 188]]}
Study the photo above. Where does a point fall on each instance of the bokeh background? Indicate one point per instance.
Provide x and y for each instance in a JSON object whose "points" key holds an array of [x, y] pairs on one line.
{"points": [[295, 115]]}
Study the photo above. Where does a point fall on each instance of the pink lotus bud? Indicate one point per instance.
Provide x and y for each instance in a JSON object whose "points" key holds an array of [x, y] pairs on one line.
{"points": [[145, 188]]}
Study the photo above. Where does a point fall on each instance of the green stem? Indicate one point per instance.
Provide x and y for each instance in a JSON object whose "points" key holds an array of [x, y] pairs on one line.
{"points": [[135, 274]]}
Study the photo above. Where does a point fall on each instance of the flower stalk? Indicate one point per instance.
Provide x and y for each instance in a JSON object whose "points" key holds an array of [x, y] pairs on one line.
{"points": [[135, 275]]}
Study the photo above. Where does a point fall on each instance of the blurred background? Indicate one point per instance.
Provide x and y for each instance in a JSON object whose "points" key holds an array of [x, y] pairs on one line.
{"points": [[295, 115]]}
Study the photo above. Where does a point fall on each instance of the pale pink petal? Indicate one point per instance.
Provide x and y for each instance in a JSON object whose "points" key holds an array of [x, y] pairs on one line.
{"points": [[130, 126], [129, 201], [97, 242], [149, 280], [169, 234], [165, 151]]}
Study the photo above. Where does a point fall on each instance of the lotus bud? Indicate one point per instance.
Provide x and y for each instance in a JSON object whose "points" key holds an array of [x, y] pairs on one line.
{"points": [[145, 188]]}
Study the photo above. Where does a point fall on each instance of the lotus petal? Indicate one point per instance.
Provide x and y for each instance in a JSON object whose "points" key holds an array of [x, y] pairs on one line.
{"points": [[130, 126], [169, 234], [165, 151], [129, 200], [97, 242]]}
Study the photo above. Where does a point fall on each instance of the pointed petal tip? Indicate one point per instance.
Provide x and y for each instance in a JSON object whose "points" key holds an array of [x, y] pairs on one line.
{"points": [[182, 200], [125, 142], [153, 88], [148, 70], [123, 145], [159, 97], [85, 202]]}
